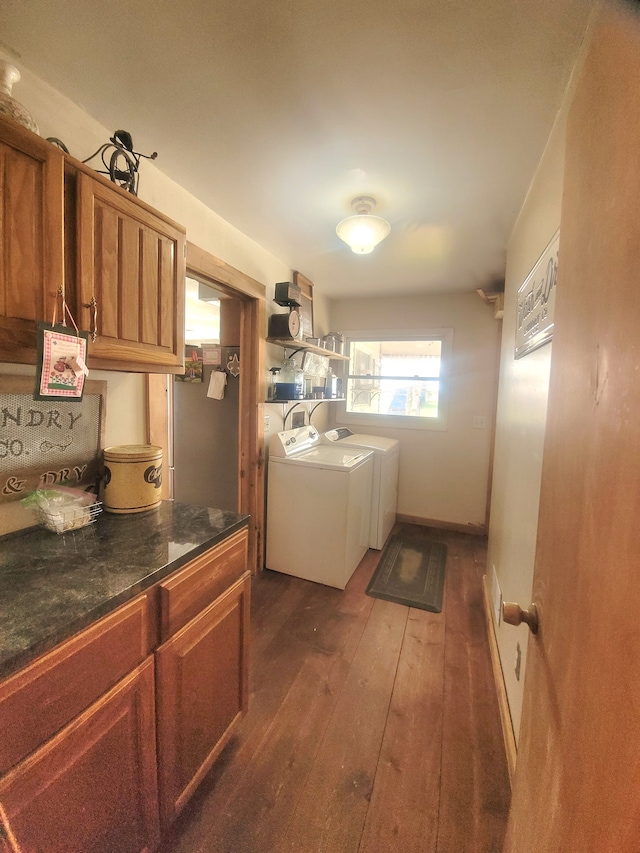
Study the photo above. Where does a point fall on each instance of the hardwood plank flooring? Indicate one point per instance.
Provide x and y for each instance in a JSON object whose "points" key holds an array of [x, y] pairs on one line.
{"points": [[372, 727]]}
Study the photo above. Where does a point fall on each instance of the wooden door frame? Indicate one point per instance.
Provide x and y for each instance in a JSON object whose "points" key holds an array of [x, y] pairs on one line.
{"points": [[252, 296]]}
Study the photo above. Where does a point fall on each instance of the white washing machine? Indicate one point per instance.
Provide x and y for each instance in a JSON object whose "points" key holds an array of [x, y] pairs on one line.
{"points": [[318, 507], [384, 497]]}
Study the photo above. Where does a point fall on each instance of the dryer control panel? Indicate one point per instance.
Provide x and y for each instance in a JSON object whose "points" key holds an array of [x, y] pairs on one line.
{"points": [[338, 433]]}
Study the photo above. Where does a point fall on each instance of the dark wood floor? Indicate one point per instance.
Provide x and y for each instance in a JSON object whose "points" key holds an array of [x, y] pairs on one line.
{"points": [[372, 727]]}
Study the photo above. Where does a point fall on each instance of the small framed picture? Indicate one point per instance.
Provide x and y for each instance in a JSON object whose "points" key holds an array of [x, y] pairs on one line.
{"points": [[192, 366], [61, 370]]}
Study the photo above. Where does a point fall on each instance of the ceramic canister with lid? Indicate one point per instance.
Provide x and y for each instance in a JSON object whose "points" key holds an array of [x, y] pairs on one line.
{"points": [[132, 477]]}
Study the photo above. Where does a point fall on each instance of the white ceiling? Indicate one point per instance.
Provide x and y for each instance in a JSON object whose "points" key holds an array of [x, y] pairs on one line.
{"points": [[276, 113]]}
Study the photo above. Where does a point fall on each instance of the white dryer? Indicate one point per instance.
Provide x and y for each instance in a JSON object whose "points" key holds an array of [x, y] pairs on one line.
{"points": [[318, 507], [384, 497]]}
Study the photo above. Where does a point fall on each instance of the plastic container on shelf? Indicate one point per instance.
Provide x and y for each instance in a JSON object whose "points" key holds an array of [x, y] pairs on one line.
{"points": [[271, 383]]}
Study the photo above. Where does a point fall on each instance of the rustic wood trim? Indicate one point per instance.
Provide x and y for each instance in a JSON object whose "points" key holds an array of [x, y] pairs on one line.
{"points": [[510, 746], [201, 262], [159, 424], [251, 481], [473, 529], [251, 486]]}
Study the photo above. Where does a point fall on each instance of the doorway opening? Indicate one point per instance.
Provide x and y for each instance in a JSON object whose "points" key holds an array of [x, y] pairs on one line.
{"points": [[244, 297], [205, 408]]}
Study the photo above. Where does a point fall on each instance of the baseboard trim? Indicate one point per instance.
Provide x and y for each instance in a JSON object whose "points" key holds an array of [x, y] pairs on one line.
{"points": [[473, 529], [503, 704]]}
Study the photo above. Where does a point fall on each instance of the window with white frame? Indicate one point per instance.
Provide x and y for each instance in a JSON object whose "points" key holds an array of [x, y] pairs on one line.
{"points": [[397, 379]]}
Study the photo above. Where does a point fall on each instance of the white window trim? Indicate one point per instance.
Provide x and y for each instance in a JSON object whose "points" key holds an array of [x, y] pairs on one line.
{"points": [[402, 421]]}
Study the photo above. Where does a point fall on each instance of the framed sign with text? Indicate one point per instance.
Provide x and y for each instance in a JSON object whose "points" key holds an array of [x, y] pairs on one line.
{"points": [[536, 302], [48, 442]]}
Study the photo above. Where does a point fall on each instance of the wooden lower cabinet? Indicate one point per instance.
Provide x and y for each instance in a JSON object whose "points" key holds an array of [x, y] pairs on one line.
{"points": [[103, 741], [92, 788], [202, 692]]}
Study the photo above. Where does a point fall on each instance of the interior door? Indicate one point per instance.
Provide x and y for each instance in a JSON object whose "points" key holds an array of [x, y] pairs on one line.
{"points": [[578, 769]]}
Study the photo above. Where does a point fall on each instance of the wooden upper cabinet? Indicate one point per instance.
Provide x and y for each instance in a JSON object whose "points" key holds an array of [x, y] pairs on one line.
{"points": [[31, 237], [128, 279], [131, 271]]}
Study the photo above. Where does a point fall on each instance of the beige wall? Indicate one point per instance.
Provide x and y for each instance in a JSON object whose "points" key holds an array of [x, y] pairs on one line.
{"points": [[521, 415], [443, 475], [58, 116]]}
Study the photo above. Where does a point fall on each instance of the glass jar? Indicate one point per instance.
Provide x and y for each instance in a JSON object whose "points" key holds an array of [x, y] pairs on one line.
{"points": [[318, 387], [290, 383], [330, 385]]}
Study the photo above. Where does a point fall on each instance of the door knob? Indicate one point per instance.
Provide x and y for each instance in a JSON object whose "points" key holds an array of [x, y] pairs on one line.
{"points": [[513, 614]]}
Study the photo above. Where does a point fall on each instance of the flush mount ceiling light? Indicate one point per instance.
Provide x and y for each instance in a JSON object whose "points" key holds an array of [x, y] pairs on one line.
{"points": [[363, 231]]}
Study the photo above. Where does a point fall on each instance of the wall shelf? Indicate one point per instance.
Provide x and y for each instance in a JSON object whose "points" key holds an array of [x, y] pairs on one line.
{"points": [[303, 345], [309, 400], [295, 403]]}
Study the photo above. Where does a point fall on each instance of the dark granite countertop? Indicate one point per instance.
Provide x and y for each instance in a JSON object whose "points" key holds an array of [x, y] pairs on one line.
{"points": [[52, 586]]}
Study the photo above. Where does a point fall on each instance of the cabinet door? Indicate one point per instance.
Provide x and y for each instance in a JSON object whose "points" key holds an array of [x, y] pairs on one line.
{"points": [[92, 788], [202, 692], [31, 238], [64, 682], [131, 279]]}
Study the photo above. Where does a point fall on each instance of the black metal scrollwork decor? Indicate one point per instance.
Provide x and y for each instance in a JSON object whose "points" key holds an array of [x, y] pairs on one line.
{"points": [[120, 161]]}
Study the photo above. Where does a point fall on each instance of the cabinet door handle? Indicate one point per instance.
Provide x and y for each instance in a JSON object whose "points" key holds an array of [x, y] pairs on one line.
{"points": [[94, 318]]}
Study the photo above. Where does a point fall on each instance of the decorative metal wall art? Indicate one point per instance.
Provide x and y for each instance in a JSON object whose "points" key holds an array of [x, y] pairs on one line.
{"points": [[536, 302], [120, 161]]}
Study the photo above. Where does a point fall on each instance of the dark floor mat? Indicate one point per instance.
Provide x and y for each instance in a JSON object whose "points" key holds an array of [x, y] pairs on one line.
{"points": [[411, 572]]}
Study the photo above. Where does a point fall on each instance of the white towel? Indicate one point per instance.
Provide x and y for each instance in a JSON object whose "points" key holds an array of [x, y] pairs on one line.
{"points": [[217, 381]]}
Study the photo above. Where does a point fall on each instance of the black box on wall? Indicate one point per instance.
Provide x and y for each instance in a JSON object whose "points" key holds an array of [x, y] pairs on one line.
{"points": [[287, 293]]}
